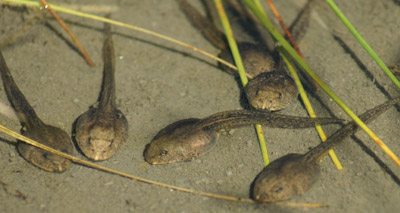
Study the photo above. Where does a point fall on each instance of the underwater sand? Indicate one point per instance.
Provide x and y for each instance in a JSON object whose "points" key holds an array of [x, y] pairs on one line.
{"points": [[159, 83]]}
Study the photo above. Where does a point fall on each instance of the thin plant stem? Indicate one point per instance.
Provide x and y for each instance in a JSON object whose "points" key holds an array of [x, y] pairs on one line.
{"points": [[241, 70], [267, 24], [70, 33], [299, 85], [273, 32], [363, 43], [289, 35], [125, 175], [125, 25], [112, 171], [309, 108]]}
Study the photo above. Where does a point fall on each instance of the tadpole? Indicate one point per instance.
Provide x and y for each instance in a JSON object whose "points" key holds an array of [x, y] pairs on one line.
{"points": [[188, 139], [294, 174], [271, 88], [103, 129], [35, 129]]}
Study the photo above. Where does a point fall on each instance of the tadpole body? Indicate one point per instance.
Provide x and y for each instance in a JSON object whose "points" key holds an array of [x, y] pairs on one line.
{"points": [[35, 129], [188, 139], [294, 174], [272, 91]]}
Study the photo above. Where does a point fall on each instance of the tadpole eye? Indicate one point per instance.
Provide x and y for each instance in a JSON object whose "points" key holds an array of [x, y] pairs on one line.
{"points": [[280, 95], [278, 189], [163, 152], [89, 140]]}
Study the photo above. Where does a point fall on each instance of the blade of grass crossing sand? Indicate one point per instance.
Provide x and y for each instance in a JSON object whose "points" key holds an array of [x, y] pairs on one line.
{"points": [[363, 43], [105, 169], [309, 108], [70, 33], [121, 24], [259, 5], [122, 174], [296, 78], [267, 24], [242, 72], [274, 33], [278, 17]]}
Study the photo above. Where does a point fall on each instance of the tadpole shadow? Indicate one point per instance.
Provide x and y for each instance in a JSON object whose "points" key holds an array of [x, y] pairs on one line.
{"points": [[243, 99], [324, 106], [361, 65], [61, 36], [253, 182], [73, 138], [14, 143], [382, 164]]}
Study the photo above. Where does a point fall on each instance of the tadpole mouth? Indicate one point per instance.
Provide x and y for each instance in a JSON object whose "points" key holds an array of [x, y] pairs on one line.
{"points": [[151, 162], [147, 156], [151, 159]]}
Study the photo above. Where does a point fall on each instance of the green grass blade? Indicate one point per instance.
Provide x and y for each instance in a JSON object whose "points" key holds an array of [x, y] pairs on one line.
{"points": [[303, 95], [267, 24], [309, 108], [242, 72], [363, 43]]}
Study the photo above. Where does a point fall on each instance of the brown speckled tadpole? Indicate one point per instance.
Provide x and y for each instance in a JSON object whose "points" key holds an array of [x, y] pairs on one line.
{"points": [[271, 88], [101, 131], [36, 129], [294, 174], [187, 139]]}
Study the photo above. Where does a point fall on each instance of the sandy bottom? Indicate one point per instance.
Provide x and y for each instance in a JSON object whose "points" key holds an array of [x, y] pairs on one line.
{"points": [[159, 83]]}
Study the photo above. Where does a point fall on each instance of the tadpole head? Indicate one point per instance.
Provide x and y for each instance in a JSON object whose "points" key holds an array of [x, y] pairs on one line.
{"points": [[179, 141], [53, 137], [271, 91], [159, 152], [256, 58], [99, 134], [46, 160], [284, 178]]}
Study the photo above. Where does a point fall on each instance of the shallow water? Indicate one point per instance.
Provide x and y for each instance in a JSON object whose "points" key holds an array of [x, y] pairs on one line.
{"points": [[159, 83]]}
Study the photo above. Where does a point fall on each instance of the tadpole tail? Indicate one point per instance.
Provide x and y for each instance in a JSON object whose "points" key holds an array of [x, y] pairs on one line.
{"points": [[25, 113], [238, 118], [299, 26], [350, 128], [205, 26], [107, 95]]}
